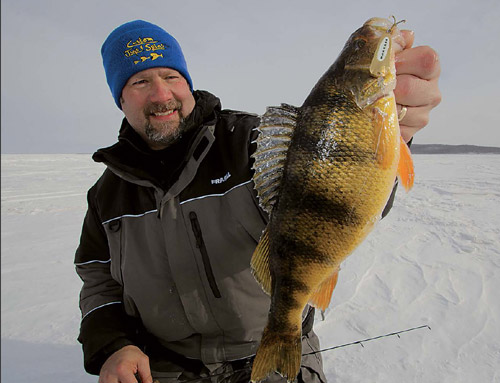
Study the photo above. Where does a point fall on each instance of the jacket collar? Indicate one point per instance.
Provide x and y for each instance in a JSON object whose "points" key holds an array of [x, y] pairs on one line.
{"points": [[132, 159]]}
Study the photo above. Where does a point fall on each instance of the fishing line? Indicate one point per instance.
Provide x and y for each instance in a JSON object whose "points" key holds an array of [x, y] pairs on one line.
{"points": [[360, 342]]}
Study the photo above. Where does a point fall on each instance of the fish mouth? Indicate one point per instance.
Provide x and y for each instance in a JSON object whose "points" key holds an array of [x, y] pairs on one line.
{"points": [[383, 23], [384, 77], [383, 26], [399, 42]]}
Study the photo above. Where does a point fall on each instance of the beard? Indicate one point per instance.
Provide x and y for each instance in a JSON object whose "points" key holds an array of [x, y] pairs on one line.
{"points": [[165, 133]]}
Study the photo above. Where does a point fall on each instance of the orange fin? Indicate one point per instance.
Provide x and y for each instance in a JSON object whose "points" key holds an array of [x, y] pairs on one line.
{"points": [[385, 128], [323, 294], [406, 173], [260, 263]]}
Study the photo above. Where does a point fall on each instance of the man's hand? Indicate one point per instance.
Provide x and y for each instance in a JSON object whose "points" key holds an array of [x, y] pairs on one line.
{"points": [[122, 366], [417, 73]]}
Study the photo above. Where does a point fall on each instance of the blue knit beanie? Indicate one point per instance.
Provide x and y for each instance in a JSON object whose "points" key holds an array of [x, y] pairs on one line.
{"points": [[136, 46]]}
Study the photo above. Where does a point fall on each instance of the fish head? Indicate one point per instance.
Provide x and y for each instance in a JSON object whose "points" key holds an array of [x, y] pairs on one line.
{"points": [[366, 65]]}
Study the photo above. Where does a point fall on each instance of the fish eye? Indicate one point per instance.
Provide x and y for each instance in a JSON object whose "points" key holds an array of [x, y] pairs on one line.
{"points": [[359, 43]]}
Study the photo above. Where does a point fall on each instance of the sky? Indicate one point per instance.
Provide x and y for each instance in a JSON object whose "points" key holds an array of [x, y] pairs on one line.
{"points": [[251, 54]]}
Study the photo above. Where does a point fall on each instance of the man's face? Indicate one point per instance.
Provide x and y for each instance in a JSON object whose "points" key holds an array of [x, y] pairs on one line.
{"points": [[155, 102]]}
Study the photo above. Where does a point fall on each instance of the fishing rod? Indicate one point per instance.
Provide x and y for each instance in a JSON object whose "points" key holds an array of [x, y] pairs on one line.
{"points": [[360, 342]]}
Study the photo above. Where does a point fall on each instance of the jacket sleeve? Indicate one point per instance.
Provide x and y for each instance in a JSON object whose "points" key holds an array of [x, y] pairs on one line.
{"points": [[105, 326]]}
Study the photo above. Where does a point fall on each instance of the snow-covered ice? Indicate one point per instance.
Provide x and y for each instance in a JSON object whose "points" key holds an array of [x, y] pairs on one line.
{"points": [[435, 260]]}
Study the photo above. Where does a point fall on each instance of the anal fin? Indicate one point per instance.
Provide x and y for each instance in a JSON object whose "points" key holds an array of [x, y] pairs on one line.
{"points": [[323, 294]]}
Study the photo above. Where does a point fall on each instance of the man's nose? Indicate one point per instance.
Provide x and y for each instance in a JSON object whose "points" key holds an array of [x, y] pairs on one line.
{"points": [[160, 92]]}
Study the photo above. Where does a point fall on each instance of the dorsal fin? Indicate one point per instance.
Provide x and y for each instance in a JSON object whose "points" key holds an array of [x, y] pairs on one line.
{"points": [[276, 130]]}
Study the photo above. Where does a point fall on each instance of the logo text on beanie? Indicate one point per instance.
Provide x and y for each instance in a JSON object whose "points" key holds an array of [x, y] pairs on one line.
{"points": [[142, 45]]}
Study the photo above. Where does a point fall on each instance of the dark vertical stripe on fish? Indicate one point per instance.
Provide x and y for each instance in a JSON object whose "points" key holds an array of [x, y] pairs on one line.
{"points": [[328, 209], [290, 251]]}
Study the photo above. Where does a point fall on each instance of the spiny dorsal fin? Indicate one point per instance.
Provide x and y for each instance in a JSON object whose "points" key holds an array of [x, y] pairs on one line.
{"points": [[276, 130]]}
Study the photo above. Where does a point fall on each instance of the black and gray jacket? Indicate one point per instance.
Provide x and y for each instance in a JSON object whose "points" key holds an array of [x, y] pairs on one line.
{"points": [[166, 245]]}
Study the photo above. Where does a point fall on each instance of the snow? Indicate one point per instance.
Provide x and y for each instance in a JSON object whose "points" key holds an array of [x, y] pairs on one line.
{"points": [[433, 261]]}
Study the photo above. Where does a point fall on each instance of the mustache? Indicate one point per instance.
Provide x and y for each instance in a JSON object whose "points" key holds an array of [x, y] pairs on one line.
{"points": [[161, 107]]}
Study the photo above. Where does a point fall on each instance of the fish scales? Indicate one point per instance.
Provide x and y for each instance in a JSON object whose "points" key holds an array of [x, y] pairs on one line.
{"points": [[338, 173]]}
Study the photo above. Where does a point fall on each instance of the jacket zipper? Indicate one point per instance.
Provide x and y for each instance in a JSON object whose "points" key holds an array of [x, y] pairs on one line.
{"points": [[200, 244]]}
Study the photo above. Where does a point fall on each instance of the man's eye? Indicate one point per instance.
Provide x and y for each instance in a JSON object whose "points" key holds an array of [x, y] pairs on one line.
{"points": [[139, 82]]}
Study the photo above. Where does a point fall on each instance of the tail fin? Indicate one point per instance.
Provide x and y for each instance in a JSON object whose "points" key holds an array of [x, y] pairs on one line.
{"points": [[278, 352]]}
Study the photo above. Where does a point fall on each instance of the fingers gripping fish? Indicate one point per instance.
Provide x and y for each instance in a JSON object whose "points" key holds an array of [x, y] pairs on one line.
{"points": [[325, 171]]}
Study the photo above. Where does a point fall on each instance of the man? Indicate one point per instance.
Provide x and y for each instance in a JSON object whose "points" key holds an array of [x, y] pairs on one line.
{"points": [[173, 221]]}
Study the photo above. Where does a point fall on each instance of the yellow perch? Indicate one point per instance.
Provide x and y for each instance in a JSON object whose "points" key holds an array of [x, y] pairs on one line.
{"points": [[325, 171]]}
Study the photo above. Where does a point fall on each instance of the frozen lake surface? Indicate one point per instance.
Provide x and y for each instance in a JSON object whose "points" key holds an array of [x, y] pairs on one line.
{"points": [[435, 260]]}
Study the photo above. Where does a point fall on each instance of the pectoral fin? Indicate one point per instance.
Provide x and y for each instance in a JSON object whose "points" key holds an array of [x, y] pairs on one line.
{"points": [[386, 129], [406, 172]]}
